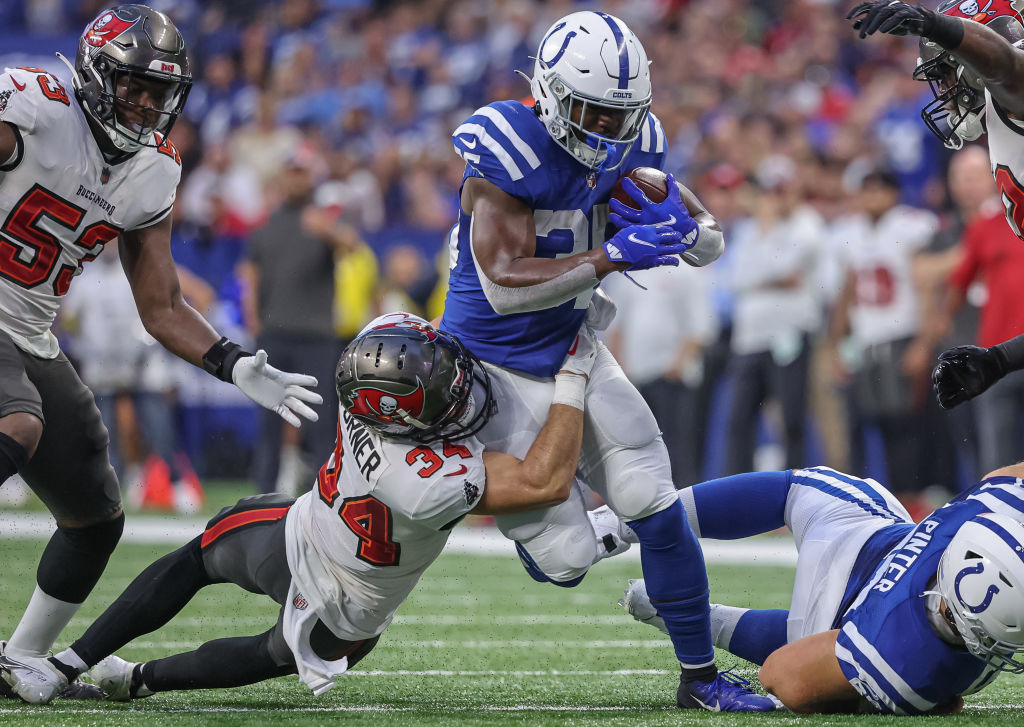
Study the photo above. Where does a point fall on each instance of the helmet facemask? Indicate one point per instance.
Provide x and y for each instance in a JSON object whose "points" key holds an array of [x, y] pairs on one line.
{"points": [[957, 113], [129, 123], [590, 148]]}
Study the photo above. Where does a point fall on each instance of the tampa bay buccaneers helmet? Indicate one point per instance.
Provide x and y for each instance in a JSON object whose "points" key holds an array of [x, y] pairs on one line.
{"points": [[957, 113], [404, 378], [126, 54]]}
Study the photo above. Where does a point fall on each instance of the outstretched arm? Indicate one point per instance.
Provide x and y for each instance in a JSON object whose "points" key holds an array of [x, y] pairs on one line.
{"points": [[146, 258], [984, 51]]}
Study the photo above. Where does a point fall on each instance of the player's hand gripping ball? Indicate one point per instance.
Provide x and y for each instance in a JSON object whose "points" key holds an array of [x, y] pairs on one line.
{"points": [[648, 196]]}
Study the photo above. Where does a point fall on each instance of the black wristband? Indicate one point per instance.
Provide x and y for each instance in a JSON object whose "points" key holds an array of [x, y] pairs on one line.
{"points": [[944, 30], [222, 357]]}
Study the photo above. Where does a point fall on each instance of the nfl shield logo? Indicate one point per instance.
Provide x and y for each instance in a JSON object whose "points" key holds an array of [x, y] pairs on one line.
{"points": [[299, 602]]}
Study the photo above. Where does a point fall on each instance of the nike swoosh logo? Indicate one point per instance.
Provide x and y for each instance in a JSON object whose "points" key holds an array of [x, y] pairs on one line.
{"points": [[671, 220], [19, 86], [575, 343], [463, 469], [708, 707], [633, 238], [467, 144]]}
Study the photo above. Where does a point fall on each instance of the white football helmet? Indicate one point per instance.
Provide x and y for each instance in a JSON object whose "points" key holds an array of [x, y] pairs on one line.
{"points": [[590, 59], [981, 579]]}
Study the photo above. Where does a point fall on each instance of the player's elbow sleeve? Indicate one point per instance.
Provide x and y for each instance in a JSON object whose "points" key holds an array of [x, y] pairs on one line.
{"points": [[710, 246]]}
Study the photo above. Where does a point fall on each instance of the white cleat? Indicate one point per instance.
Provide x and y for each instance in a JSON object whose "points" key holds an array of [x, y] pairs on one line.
{"points": [[115, 677], [635, 601], [613, 535], [32, 678]]}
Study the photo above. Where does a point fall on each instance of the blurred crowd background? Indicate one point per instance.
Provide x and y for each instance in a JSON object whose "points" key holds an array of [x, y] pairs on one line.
{"points": [[319, 185]]}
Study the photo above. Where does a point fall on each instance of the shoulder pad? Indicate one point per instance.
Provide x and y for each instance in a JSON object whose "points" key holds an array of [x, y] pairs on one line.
{"points": [[652, 136], [31, 96], [502, 142]]}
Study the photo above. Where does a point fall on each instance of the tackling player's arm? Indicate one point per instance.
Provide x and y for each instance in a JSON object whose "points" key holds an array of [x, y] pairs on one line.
{"points": [[805, 675], [543, 477], [149, 267]]}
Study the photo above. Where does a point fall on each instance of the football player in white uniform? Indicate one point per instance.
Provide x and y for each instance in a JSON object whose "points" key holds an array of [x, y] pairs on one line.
{"points": [[973, 57], [343, 557], [80, 166], [886, 615]]}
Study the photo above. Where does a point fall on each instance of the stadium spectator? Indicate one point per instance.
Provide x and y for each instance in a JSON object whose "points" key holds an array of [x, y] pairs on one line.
{"points": [[878, 306], [288, 302], [777, 313]]}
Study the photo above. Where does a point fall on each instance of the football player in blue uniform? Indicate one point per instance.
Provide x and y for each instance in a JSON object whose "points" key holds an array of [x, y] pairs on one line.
{"points": [[532, 243], [895, 617]]}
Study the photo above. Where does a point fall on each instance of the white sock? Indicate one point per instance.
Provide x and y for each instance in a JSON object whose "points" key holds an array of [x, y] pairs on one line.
{"points": [[45, 617], [70, 658], [723, 623]]}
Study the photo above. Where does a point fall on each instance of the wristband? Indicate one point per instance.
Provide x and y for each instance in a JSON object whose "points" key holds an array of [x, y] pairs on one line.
{"points": [[222, 357], [944, 30], [570, 389]]}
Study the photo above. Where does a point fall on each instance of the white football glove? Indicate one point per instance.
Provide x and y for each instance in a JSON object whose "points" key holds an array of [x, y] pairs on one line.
{"points": [[601, 311], [582, 354], [276, 390]]}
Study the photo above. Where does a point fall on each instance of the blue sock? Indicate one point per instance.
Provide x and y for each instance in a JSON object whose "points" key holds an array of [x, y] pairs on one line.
{"points": [[741, 505], [677, 583], [758, 633]]}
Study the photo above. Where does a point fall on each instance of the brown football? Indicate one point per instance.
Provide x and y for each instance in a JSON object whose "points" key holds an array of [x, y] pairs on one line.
{"points": [[652, 182]]}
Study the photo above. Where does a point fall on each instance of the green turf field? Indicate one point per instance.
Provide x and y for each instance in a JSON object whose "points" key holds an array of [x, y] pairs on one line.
{"points": [[477, 644]]}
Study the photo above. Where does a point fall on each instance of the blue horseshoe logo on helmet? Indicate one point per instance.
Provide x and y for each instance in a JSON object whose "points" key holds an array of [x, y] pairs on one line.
{"points": [[561, 51], [985, 602]]}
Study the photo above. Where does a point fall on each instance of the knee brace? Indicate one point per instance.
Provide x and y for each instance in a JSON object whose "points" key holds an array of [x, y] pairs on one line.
{"points": [[75, 558]]}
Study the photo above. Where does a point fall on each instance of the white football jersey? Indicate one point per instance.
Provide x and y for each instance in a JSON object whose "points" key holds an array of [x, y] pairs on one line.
{"points": [[1006, 154], [880, 256], [60, 202], [380, 513]]}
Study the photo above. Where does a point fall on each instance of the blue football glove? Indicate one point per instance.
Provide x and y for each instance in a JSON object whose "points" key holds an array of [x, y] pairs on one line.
{"points": [[645, 246], [671, 211]]}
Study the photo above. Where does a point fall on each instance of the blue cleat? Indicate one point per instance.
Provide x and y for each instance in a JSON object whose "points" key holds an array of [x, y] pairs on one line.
{"points": [[727, 692]]}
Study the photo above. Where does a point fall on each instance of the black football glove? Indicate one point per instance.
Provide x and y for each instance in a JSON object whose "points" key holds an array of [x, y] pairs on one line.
{"points": [[963, 372], [892, 17]]}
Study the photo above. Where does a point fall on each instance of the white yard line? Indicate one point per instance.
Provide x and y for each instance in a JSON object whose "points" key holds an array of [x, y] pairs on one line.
{"points": [[466, 540]]}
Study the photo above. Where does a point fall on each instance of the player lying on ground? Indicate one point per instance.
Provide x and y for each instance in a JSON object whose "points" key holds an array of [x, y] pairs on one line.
{"points": [[343, 557], [888, 615], [80, 166], [531, 245], [973, 56]]}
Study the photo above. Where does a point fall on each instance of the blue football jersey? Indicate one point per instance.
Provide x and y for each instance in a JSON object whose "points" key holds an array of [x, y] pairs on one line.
{"points": [[506, 144], [886, 646]]}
